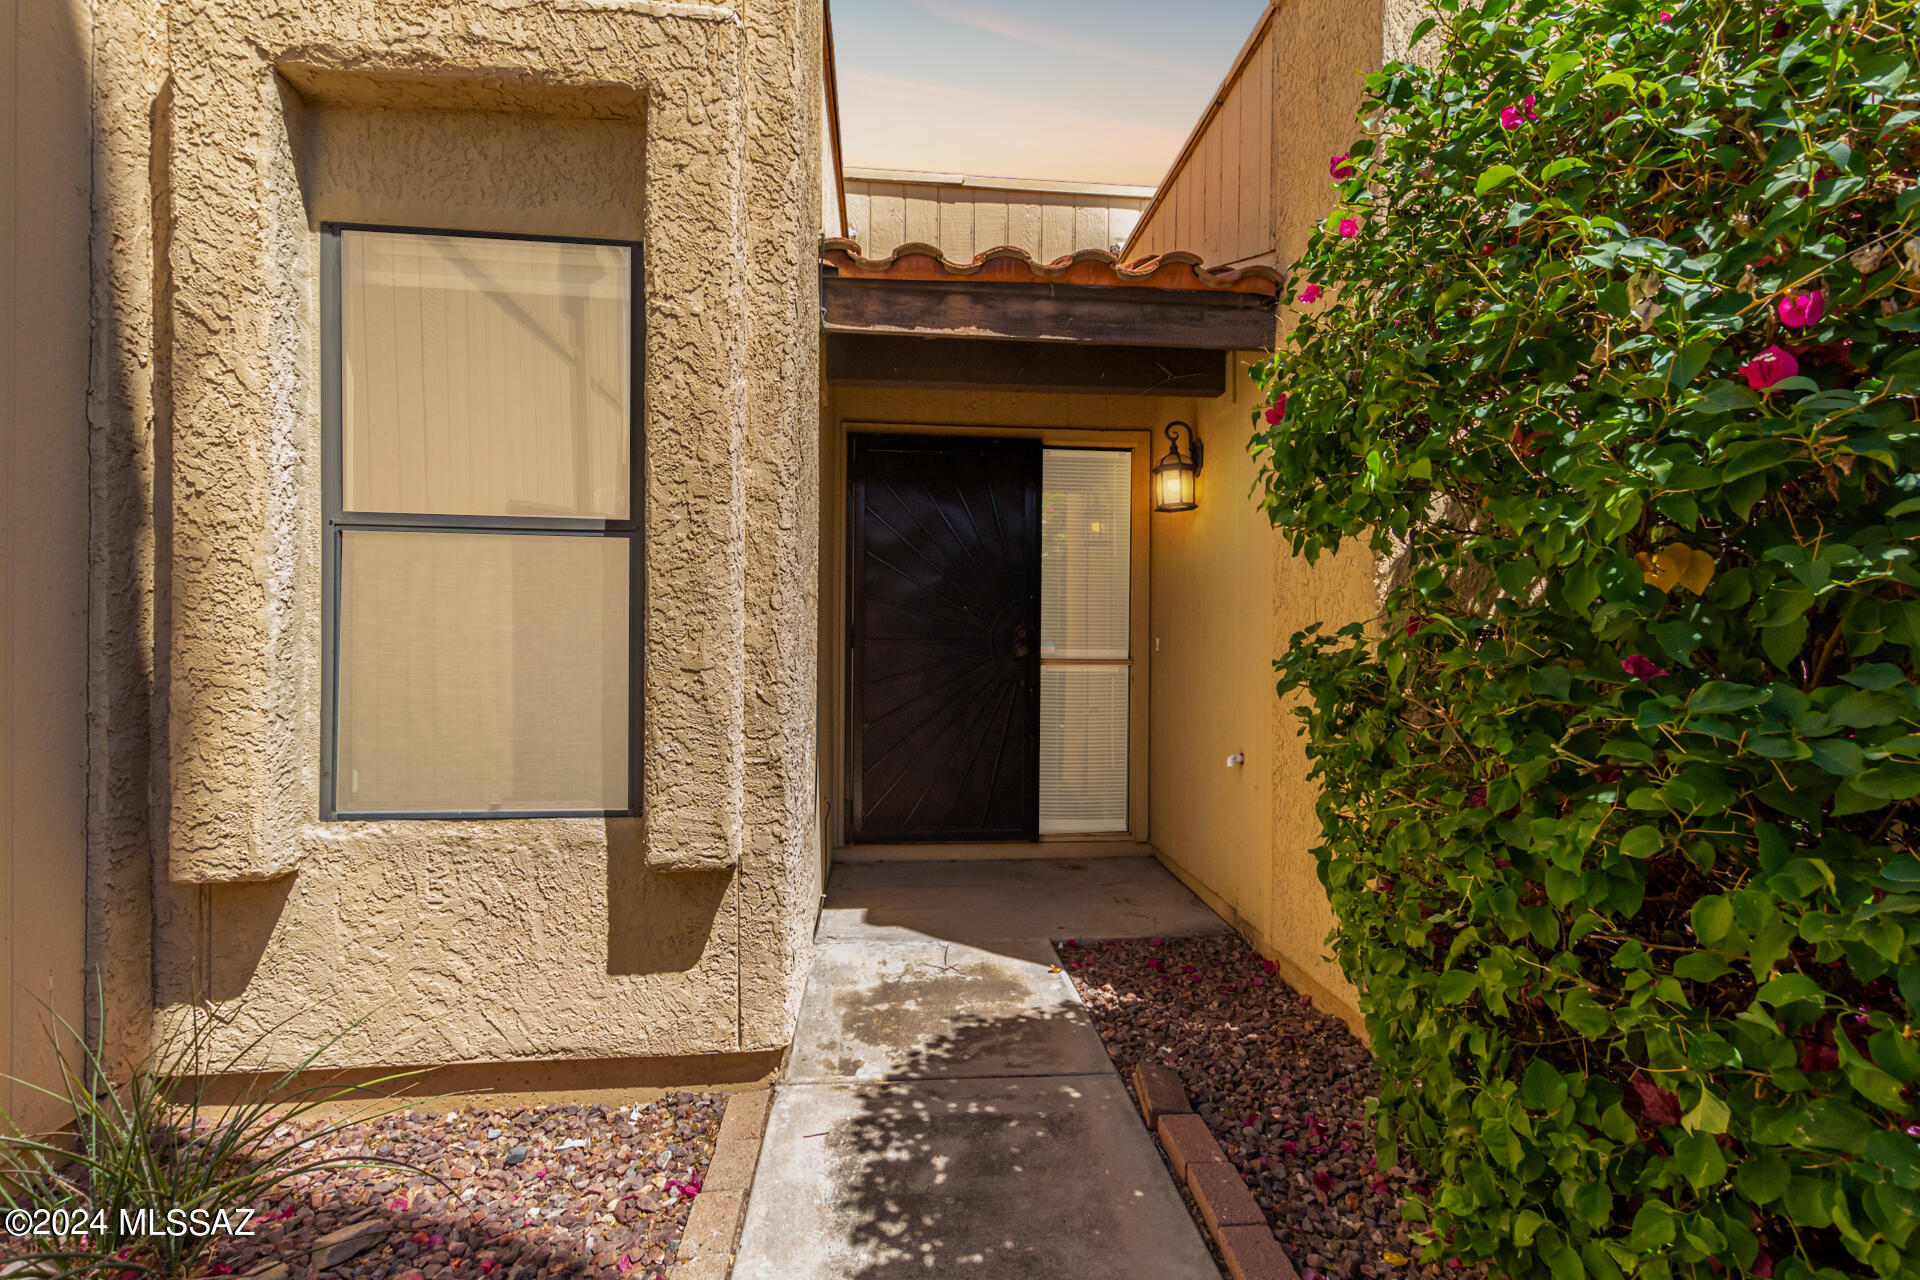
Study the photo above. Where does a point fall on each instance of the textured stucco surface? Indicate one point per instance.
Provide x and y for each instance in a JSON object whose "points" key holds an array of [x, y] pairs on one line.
{"points": [[225, 132]]}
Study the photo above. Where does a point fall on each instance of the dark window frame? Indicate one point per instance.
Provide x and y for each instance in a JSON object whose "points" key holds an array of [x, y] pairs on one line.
{"points": [[336, 521]]}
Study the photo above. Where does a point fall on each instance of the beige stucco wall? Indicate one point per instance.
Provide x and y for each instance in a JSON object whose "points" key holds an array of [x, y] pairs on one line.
{"points": [[43, 542], [1244, 838], [226, 134], [1227, 596]]}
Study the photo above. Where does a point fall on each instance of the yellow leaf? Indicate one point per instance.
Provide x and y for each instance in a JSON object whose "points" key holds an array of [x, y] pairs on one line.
{"points": [[1677, 565], [1395, 1259]]}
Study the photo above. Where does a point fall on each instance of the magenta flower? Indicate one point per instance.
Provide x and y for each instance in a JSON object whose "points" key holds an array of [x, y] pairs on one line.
{"points": [[1666, 17], [1340, 167], [1349, 228], [1154, 942], [1775, 364], [1477, 798], [1277, 411], [1803, 310], [1512, 117], [1311, 294], [1641, 667]]}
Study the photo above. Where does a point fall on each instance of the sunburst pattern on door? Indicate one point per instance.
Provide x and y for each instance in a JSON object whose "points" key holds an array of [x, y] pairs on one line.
{"points": [[946, 638]]}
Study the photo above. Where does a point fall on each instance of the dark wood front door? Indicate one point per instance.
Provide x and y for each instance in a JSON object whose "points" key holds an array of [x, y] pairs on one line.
{"points": [[945, 689]]}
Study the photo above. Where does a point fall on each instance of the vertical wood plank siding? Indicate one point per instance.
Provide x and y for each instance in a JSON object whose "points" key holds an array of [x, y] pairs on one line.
{"points": [[1217, 199]]}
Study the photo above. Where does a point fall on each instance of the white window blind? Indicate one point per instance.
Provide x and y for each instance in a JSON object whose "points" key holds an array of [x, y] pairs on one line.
{"points": [[482, 671], [1085, 639], [484, 376], [1083, 557], [481, 524]]}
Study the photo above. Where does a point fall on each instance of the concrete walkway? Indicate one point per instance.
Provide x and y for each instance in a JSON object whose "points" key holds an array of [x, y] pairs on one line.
{"points": [[948, 1110]]}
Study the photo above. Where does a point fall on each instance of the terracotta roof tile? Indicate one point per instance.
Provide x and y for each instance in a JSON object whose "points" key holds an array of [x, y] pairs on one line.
{"points": [[1008, 265]]}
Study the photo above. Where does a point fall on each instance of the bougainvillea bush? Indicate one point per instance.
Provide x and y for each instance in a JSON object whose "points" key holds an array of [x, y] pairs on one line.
{"points": [[1610, 351]]}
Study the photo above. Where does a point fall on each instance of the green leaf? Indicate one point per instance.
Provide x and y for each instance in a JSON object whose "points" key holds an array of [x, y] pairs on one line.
{"points": [[1712, 920], [1542, 1088], [1789, 989], [1493, 178], [1456, 985], [1700, 1160], [1644, 842]]}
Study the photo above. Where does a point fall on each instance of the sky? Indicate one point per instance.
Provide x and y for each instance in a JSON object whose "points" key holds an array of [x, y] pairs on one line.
{"points": [[1078, 90]]}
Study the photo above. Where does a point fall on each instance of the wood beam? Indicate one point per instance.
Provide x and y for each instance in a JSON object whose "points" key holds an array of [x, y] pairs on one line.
{"points": [[959, 364], [1042, 312]]}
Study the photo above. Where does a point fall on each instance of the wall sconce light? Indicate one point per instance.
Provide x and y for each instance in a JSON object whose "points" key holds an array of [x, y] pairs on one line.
{"points": [[1173, 478]]}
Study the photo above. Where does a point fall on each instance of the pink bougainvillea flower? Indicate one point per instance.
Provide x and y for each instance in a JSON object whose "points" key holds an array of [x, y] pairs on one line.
{"points": [[1416, 622], [1259, 980], [1772, 366], [1287, 1149], [1803, 310], [1641, 667], [1666, 17], [1154, 942], [398, 1203], [1512, 117], [1270, 966], [1158, 966], [1311, 294], [1477, 798], [625, 1263], [1349, 228], [1277, 411], [1323, 1180], [1071, 942], [1340, 167]]}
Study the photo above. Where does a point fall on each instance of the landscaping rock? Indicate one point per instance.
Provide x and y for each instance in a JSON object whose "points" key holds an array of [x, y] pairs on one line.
{"points": [[1280, 1085], [490, 1195], [335, 1247]]}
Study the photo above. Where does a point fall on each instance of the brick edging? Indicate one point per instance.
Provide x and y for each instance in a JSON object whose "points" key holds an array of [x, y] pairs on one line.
{"points": [[1228, 1210], [713, 1226]]}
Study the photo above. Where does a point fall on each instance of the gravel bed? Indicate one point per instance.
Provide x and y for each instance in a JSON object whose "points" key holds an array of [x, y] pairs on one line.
{"points": [[1282, 1085], [515, 1193]]}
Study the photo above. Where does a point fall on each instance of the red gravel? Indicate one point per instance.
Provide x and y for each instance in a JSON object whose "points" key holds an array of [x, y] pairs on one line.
{"points": [[1282, 1086], [510, 1200]]}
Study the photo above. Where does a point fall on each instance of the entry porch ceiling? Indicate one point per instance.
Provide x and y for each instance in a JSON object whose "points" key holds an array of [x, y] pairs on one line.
{"points": [[1084, 323]]}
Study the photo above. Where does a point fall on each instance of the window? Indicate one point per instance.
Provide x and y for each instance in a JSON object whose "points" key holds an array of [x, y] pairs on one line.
{"points": [[482, 545], [1085, 639]]}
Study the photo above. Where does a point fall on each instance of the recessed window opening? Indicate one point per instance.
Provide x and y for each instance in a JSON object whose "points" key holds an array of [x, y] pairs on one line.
{"points": [[482, 549]]}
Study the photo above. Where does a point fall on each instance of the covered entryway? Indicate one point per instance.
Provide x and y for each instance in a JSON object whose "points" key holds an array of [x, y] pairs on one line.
{"points": [[986, 517]]}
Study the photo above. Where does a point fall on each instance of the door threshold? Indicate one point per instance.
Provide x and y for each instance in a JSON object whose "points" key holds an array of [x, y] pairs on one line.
{"points": [[1057, 850]]}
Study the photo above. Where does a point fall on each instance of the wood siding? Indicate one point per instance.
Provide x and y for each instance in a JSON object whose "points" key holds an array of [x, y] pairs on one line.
{"points": [[45, 172], [1217, 199], [964, 219]]}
